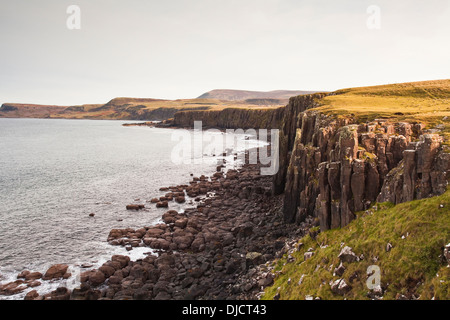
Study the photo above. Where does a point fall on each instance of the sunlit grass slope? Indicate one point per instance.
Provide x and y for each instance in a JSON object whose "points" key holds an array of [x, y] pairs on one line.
{"points": [[417, 231], [427, 102]]}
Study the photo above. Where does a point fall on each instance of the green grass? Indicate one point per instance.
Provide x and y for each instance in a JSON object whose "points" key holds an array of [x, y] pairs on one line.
{"points": [[413, 266]]}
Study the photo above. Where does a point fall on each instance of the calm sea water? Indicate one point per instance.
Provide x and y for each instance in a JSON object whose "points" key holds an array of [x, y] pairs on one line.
{"points": [[54, 173]]}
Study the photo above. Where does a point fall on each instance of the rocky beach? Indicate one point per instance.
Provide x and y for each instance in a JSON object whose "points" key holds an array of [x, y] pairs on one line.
{"points": [[215, 250]]}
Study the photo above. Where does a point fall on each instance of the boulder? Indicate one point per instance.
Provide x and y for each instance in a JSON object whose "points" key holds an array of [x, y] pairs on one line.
{"points": [[253, 259], [340, 287], [32, 295], [34, 284], [198, 244], [33, 276], [308, 255], [96, 278], [180, 199], [123, 260], [56, 271], [12, 288], [138, 272], [347, 255], [266, 281], [62, 293], [170, 216], [181, 223], [23, 274], [339, 271], [183, 242], [447, 253], [154, 233], [135, 207], [107, 270], [162, 204]]}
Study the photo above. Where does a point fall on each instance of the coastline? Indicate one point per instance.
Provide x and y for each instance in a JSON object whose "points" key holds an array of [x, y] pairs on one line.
{"points": [[214, 251], [203, 247], [220, 249]]}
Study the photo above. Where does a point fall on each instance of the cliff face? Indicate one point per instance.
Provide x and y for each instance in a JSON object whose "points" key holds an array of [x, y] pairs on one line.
{"points": [[332, 167], [231, 118], [337, 168]]}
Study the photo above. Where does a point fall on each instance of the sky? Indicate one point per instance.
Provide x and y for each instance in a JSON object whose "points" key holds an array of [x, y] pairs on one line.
{"points": [[183, 48]]}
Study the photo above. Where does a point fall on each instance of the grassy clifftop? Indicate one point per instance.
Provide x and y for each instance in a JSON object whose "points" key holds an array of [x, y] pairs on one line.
{"points": [[405, 241], [427, 102]]}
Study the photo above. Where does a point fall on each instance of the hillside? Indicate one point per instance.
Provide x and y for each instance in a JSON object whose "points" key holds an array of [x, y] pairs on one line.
{"points": [[124, 108], [405, 241], [127, 109], [240, 95], [16, 110]]}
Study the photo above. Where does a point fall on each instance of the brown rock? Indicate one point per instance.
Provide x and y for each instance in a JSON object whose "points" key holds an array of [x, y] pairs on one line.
{"points": [[96, 278], [198, 244], [170, 216], [108, 271], [162, 204], [56, 271], [154, 232], [123, 260], [181, 223], [33, 284], [61, 293], [23, 274], [180, 199], [12, 288], [183, 242], [33, 276], [139, 272], [32, 295], [135, 207]]}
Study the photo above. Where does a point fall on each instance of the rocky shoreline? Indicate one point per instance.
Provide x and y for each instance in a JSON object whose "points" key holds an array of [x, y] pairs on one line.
{"points": [[220, 249]]}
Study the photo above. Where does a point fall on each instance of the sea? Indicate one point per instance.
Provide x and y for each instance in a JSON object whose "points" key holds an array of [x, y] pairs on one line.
{"points": [[56, 173]]}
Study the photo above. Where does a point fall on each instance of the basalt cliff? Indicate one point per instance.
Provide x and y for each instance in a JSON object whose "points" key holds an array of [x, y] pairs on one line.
{"points": [[332, 167]]}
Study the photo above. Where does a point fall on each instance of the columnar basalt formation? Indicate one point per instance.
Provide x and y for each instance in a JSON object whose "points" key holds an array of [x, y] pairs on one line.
{"points": [[332, 167], [338, 168]]}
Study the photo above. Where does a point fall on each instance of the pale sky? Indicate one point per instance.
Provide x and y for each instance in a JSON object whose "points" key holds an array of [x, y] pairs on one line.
{"points": [[182, 48]]}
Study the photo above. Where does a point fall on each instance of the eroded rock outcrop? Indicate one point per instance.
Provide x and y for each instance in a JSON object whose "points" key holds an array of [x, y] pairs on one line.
{"points": [[337, 168]]}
